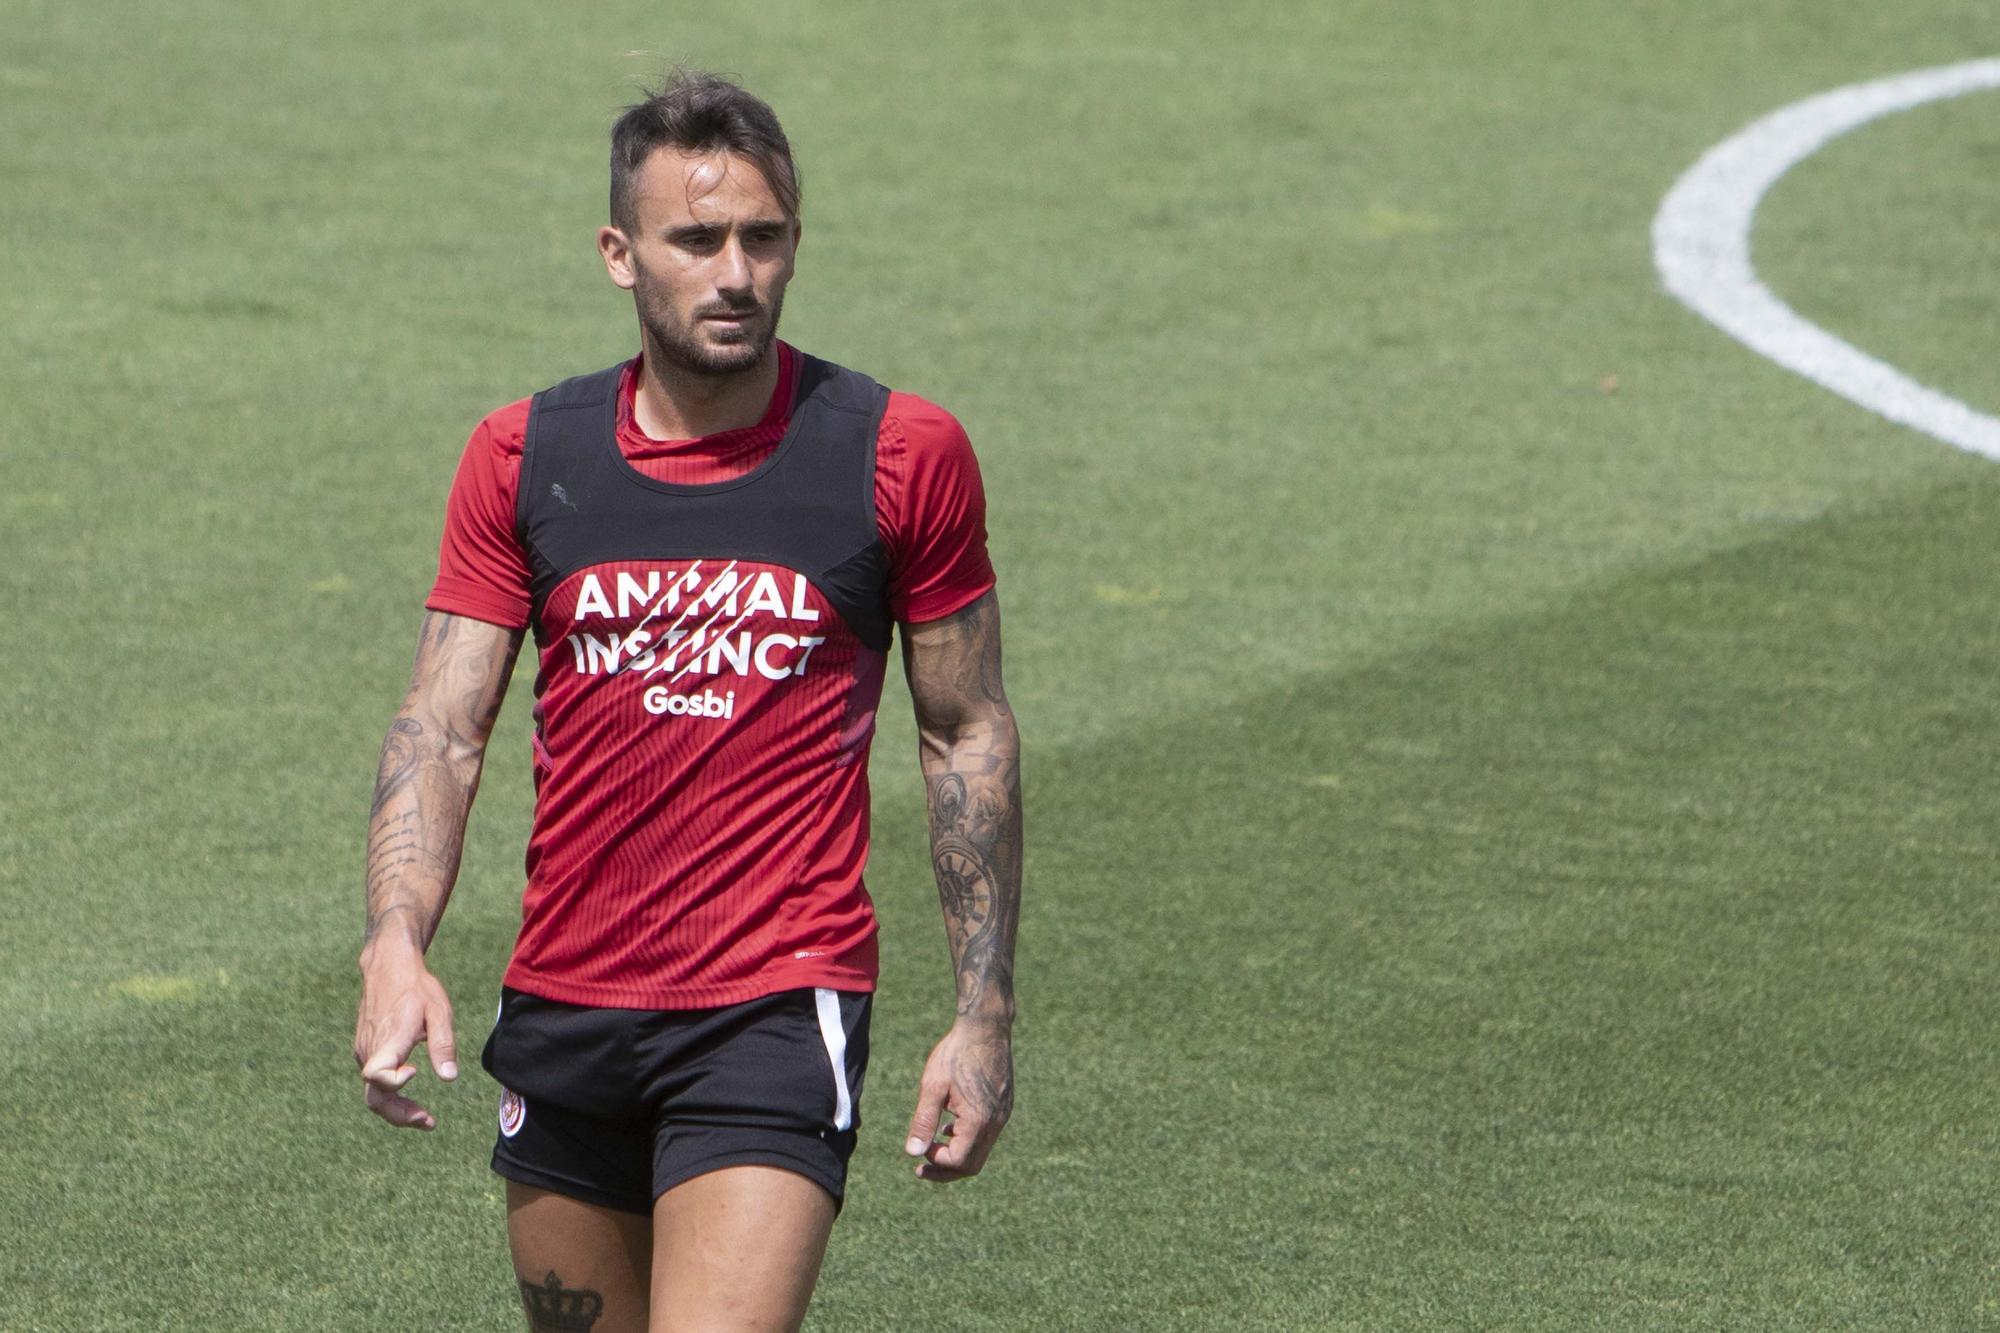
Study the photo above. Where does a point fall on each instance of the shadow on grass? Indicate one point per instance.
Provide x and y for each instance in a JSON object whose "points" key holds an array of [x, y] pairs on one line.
{"points": [[1638, 946], [1626, 964]]}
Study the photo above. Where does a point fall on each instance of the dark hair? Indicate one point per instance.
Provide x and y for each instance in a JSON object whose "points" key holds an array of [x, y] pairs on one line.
{"points": [[698, 112]]}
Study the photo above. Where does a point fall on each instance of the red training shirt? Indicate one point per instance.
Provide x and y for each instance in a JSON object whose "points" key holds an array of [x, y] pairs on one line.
{"points": [[695, 866]]}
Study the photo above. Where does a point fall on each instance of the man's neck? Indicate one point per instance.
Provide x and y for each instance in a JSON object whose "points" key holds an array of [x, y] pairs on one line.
{"points": [[673, 404]]}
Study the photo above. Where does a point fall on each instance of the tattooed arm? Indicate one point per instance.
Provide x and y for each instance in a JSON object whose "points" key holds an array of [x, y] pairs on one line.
{"points": [[971, 756], [416, 826]]}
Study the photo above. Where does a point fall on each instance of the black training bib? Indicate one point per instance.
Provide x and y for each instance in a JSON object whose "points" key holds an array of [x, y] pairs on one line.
{"points": [[809, 507]]}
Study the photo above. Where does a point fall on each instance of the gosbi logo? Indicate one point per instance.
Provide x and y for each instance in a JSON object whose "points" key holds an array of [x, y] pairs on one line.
{"points": [[669, 627], [513, 1112], [708, 703]]}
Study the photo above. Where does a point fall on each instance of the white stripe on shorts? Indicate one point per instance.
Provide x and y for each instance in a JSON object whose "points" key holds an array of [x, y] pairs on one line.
{"points": [[835, 1037]]}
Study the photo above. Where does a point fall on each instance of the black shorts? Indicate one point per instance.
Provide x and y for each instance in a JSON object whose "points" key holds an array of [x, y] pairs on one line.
{"points": [[618, 1106]]}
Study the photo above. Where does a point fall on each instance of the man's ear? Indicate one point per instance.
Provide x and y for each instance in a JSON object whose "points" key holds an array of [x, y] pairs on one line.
{"points": [[615, 249]]}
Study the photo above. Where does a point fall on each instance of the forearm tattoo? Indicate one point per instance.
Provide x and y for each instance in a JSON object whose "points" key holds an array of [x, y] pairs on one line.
{"points": [[972, 775], [430, 770]]}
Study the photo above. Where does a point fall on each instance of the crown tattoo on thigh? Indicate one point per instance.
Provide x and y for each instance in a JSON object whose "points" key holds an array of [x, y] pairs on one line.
{"points": [[554, 1308]]}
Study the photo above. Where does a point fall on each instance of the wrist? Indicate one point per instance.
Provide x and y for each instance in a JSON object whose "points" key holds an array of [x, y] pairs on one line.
{"points": [[393, 944], [989, 1016]]}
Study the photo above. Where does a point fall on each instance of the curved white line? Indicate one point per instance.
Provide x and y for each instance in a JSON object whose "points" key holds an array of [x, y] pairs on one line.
{"points": [[1701, 246]]}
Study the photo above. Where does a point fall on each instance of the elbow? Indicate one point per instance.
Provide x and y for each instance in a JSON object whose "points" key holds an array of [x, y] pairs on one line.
{"points": [[465, 758], [989, 731], [436, 739], [463, 752]]}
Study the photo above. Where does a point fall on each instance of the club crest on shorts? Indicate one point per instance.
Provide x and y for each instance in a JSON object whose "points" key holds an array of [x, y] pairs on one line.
{"points": [[513, 1112]]}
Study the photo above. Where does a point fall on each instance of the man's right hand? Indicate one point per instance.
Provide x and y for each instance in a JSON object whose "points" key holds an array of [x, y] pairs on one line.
{"points": [[401, 1004], [416, 827]]}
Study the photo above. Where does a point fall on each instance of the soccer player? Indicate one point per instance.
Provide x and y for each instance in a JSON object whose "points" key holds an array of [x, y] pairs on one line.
{"points": [[711, 544]]}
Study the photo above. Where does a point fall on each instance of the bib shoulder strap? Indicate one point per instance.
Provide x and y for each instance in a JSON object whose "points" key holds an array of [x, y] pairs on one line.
{"points": [[564, 420]]}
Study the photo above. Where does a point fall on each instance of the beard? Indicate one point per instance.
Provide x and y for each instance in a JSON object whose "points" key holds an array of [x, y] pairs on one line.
{"points": [[680, 344]]}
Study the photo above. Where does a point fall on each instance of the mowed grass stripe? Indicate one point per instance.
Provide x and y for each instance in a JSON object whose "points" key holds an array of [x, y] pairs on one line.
{"points": [[1622, 964], [1614, 967]]}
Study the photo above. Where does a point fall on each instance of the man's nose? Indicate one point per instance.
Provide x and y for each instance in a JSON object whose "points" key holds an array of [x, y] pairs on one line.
{"points": [[733, 273]]}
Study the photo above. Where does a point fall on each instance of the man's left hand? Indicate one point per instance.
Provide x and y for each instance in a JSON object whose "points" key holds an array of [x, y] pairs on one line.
{"points": [[970, 1076]]}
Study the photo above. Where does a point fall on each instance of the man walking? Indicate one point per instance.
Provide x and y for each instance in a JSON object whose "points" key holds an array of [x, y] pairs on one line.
{"points": [[711, 544]]}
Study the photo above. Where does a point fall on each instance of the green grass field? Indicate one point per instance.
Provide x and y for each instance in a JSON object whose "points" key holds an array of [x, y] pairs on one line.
{"points": [[1510, 772]]}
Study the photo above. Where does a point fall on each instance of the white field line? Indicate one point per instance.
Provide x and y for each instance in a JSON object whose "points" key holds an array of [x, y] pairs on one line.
{"points": [[1701, 246]]}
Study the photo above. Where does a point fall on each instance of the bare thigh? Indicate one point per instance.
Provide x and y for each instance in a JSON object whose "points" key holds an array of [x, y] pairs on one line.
{"points": [[738, 1251], [571, 1257]]}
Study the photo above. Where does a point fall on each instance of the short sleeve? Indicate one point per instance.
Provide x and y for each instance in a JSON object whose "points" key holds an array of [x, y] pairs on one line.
{"points": [[930, 510], [482, 571]]}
